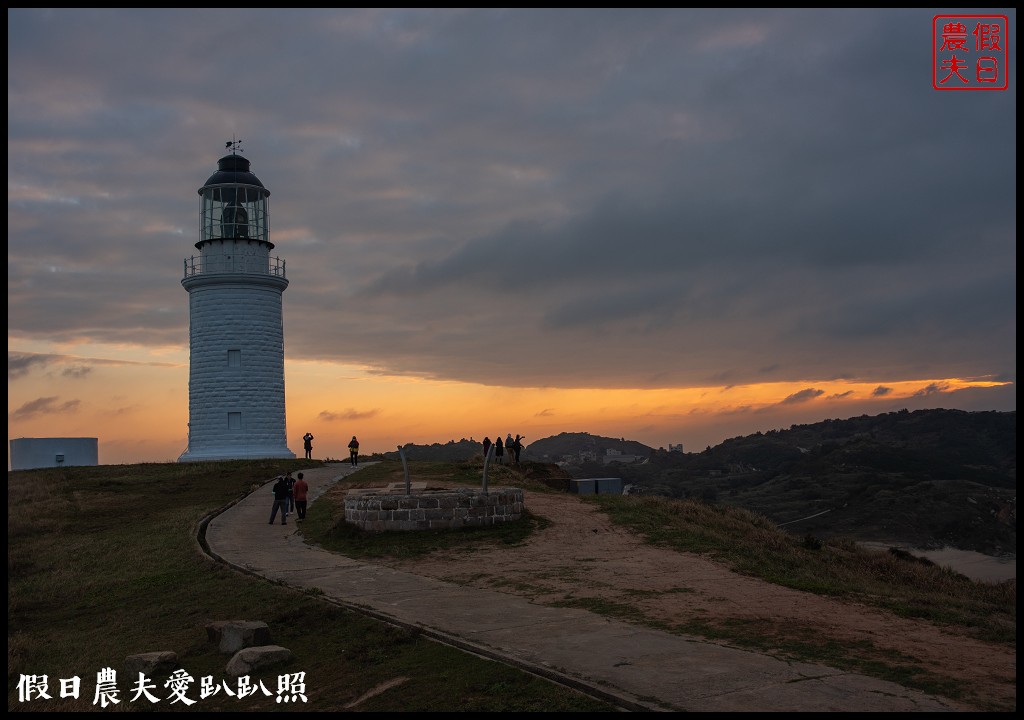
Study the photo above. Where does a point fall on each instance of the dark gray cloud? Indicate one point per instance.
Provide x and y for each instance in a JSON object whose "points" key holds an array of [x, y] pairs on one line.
{"points": [[44, 406], [77, 372], [932, 389], [621, 198], [20, 364], [802, 396], [348, 414]]}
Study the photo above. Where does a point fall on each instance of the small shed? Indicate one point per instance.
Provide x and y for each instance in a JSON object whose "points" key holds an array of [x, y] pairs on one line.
{"points": [[596, 486], [31, 453]]}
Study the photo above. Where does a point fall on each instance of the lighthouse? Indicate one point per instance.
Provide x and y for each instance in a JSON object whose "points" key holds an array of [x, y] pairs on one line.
{"points": [[235, 291]]}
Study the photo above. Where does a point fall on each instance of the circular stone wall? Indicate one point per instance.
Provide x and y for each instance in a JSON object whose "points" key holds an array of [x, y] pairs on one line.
{"points": [[380, 510]]}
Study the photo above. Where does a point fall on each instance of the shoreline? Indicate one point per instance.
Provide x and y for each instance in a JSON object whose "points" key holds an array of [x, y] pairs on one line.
{"points": [[977, 566]]}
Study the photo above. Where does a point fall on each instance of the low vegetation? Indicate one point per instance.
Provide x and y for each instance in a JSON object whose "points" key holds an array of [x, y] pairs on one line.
{"points": [[747, 542], [751, 544], [102, 563], [929, 478]]}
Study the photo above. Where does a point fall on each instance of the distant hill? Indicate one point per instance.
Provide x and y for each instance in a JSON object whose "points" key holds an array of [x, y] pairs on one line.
{"points": [[450, 451], [548, 449], [930, 478], [553, 449]]}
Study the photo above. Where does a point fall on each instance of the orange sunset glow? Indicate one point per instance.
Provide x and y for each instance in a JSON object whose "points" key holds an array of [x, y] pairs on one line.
{"points": [[138, 407]]}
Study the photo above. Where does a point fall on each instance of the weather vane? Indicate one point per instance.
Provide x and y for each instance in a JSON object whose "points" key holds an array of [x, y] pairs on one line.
{"points": [[234, 145]]}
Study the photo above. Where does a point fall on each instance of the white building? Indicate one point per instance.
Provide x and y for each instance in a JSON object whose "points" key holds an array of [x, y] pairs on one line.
{"points": [[611, 455], [236, 401], [31, 453]]}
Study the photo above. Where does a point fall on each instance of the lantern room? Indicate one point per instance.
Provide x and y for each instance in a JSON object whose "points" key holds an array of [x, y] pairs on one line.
{"points": [[234, 204]]}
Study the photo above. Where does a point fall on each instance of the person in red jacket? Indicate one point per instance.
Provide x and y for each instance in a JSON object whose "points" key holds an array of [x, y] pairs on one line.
{"points": [[300, 490]]}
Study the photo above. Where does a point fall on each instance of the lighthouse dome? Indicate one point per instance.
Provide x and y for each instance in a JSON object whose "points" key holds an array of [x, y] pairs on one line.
{"points": [[233, 169]]}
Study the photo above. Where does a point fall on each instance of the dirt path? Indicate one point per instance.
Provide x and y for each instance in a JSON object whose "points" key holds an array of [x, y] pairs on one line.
{"points": [[583, 556]]}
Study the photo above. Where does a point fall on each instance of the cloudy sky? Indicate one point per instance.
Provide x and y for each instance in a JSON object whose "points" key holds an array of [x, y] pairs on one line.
{"points": [[676, 226]]}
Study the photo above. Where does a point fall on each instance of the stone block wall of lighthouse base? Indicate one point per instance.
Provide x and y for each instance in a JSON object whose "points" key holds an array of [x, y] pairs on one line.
{"points": [[236, 376]]}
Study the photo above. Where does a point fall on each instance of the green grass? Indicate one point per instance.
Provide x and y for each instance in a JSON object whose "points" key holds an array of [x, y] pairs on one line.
{"points": [[103, 563]]}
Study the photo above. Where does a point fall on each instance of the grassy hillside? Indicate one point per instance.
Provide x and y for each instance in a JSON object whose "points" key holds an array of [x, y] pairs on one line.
{"points": [[750, 543], [930, 478], [551, 449], [102, 563], [747, 542]]}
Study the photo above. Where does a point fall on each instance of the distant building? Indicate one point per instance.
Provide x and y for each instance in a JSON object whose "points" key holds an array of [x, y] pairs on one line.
{"points": [[675, 448], [617, 456], [31, 453], [588, 456]]}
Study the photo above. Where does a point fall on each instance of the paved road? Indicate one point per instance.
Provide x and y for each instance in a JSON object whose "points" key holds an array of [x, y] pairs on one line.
{"points": [[636, 668]]}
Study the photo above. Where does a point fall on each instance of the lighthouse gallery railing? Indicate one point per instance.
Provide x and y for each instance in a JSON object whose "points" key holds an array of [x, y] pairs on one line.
{"points": [[203, 264]]}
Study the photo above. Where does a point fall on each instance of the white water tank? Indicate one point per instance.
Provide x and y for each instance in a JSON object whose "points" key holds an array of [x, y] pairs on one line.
{"points": [[31, 453]]}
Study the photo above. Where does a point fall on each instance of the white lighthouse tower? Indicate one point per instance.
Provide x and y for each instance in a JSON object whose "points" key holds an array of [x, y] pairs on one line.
{"points": [[236, 330]]}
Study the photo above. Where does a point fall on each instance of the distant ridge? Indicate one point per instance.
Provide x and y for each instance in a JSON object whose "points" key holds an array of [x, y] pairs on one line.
{"points": [[450, 451], [554, 448], [927, 479], [550, 449]]}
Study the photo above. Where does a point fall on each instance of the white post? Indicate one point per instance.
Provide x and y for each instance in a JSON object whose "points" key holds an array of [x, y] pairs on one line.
{"points": [[487, 460], [405, 467]]}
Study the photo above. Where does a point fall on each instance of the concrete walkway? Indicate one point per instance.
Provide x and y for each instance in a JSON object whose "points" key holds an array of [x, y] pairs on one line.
{"points": [[634, 667]]}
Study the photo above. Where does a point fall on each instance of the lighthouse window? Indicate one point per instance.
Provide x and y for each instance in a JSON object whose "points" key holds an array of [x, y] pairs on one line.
{"points": [[234, 222], [234, 421], [234, 358]]}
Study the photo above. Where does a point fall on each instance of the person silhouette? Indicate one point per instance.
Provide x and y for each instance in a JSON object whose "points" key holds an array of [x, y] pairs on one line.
{"points": [[307, 442], [517, 447], [280, 491], [353, 451]]}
